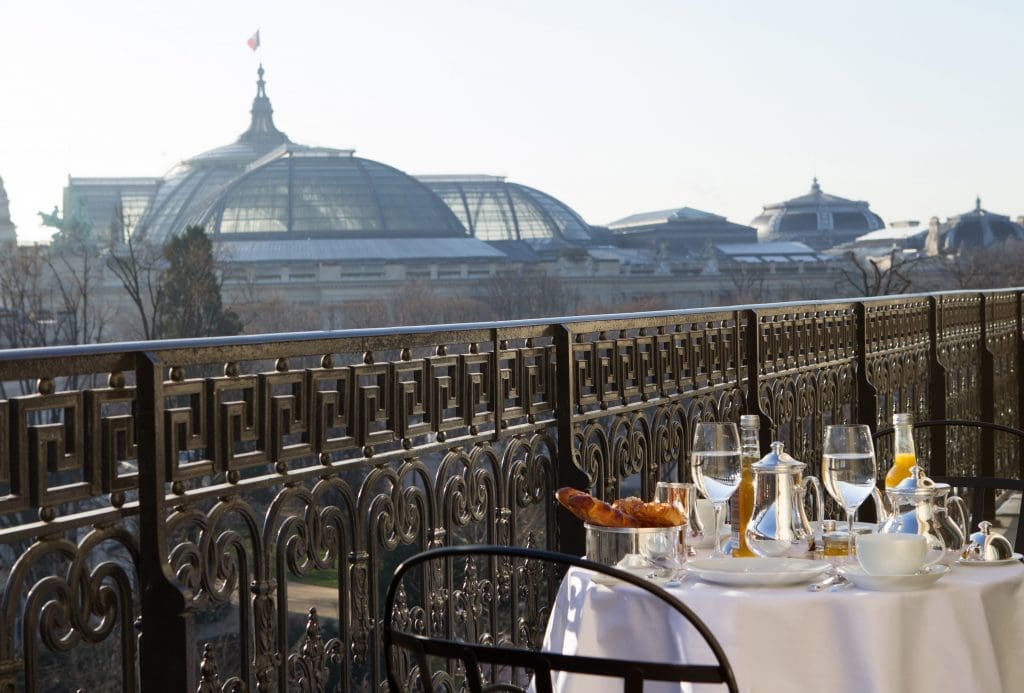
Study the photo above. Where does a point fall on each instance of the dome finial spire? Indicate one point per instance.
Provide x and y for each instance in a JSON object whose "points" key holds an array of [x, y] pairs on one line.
{"points": [[262, 132], [815, 188], [977, 203]]}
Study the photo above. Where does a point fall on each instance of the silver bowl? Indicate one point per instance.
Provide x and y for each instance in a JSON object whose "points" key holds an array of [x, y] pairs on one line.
{"points": [[662, 550]]}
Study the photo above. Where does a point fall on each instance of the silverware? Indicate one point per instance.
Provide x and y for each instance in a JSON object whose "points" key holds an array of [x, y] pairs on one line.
{"points": [[832, 583]]}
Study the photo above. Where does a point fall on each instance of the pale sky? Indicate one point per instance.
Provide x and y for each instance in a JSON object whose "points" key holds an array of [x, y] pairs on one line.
{"points": [[613, 107]]}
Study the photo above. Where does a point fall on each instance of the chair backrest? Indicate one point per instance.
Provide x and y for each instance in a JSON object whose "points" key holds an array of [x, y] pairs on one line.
{"points": [[509, 666], [980, 486]]}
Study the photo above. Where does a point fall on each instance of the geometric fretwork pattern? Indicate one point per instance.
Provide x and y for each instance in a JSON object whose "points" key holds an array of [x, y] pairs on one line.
{"points": [[285, 479]]}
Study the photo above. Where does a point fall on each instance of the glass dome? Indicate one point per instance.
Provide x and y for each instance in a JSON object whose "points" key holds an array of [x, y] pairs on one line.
{"points": [[978, 228], [495, 210], [817, 218], [264, 185]]}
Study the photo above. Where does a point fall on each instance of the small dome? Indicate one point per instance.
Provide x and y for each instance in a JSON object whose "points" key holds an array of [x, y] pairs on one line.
{"points": [[978, 228], [496, 210], [817, 219]]}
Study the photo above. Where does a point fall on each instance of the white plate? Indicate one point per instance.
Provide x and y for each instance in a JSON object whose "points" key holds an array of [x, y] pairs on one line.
{"points": [[756, 571], [1006, 561], [894, 583]]}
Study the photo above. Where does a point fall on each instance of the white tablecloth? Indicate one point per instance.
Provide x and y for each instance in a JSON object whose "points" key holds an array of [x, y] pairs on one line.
{"points": [[965, 633]]}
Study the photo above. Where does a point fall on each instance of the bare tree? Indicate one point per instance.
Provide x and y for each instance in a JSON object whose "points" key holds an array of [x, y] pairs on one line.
{"points": [[879, 276], [986, 268], [748, 281], [28, 319], [528, 294], [75, 272], [139, 265]]}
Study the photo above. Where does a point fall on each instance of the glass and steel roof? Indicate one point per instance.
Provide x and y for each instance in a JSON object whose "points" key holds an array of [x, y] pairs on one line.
{"points": [[978, 228], [264, 185], [496, 210], [817, 218]]}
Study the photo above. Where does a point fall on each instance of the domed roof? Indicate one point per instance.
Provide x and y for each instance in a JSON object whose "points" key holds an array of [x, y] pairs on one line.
{"points": [[495, 210], [265, 184], [978, 228], [817, 218]]}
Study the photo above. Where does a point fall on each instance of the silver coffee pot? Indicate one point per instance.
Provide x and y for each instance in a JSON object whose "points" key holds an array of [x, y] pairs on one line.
{"points": [[778, 524]]}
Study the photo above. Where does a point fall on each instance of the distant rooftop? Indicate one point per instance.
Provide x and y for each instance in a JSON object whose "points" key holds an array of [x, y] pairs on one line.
{"points": [[779, 251], [663, 216]]}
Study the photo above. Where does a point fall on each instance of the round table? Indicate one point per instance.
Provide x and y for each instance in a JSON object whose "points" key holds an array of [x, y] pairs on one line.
{"points": [[965, 633]]}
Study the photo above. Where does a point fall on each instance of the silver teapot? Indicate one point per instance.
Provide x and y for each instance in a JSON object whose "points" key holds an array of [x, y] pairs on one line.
{"points": [[778, 523], [919, 505]]}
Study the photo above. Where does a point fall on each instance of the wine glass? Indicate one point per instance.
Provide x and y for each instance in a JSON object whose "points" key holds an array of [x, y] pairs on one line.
{"points": [[715, 465], [848, 469]]}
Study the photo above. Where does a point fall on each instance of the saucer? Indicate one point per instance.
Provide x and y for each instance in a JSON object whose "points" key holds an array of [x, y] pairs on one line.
{"points": [[1006, 561], [920, 580]]}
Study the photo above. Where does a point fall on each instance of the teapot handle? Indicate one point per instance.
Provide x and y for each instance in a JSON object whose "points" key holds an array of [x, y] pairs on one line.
{"points": [[818, 507], [962, 515], [882, 508]]}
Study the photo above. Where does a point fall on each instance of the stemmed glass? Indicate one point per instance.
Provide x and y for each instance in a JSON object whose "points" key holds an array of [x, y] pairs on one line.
{"points": [[715, 465], [848, 469]]}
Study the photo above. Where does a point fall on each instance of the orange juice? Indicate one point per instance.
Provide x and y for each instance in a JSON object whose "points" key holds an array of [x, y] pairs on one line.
{"points": [[745, 498], [900, 469]]}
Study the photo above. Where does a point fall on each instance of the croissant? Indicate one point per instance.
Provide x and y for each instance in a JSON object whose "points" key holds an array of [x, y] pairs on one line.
{"points": [[625, 512], [593, 511], [650, 514]]}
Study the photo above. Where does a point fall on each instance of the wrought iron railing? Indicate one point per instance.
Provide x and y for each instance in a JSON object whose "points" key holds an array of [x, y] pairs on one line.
{"points": [[225, 513]]}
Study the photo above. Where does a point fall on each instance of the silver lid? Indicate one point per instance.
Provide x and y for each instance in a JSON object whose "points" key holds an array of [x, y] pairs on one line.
{"points": [[902, 419], [986, 545], [778, 461], [750, 421], [917, 484]]}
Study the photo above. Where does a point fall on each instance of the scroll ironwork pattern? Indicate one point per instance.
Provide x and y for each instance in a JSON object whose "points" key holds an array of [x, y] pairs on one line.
{"points": [[298, 471]]}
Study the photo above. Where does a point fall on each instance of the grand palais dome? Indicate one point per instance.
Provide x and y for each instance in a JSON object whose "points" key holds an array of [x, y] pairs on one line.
{"points": [[264, 187]]}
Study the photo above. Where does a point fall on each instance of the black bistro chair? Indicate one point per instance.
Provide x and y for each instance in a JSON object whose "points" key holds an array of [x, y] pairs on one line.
{"points": [[480, 660], [979, 486]]}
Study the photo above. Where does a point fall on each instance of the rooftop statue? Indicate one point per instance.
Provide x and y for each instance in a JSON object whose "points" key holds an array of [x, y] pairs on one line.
{"points": [[52, 219]]}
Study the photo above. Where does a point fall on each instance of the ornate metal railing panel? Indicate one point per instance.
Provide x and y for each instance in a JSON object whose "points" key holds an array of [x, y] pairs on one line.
{"points": [[1001, 340], [959, 349], [897, 366], [638, 385], [806, 373], [225, 514]]}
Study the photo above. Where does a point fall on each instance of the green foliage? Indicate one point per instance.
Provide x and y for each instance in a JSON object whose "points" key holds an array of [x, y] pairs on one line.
{"points": [[192, 305]]}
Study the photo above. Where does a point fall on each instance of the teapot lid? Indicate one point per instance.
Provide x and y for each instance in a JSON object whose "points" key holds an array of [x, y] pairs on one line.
{"points": [[917, 484], [778, 461]]}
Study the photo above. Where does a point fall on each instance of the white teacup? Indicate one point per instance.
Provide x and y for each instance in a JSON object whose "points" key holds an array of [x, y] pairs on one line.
{"points": [[891, 554]]}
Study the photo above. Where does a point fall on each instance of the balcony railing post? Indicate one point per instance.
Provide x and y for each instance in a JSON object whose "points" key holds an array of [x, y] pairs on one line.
{"points": [[167, 643], [1019, 420], [752, 354], [987, 392], [570, 530], [936, 389], [867, 395]]}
